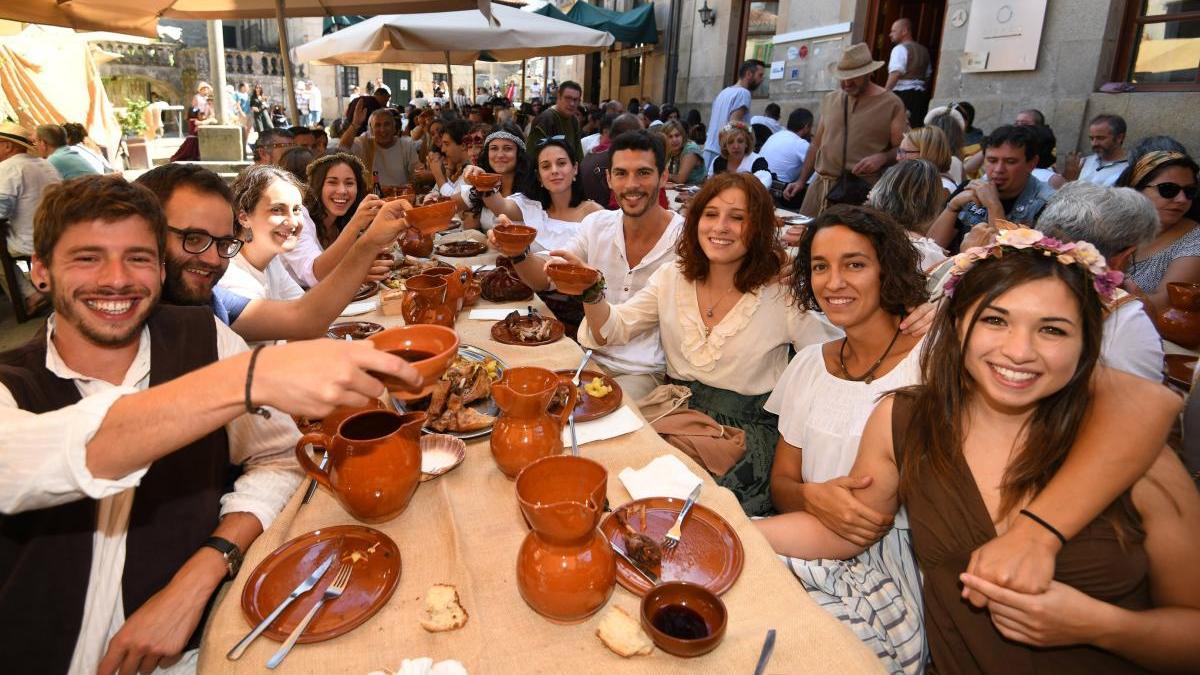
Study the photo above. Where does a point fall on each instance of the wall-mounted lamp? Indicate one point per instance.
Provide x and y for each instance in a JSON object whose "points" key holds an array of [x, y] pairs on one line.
{"points": [[708, 15]]}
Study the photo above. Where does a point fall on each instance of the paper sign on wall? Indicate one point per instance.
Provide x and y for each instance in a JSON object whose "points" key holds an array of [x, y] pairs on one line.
{"points": [[777, 70]]}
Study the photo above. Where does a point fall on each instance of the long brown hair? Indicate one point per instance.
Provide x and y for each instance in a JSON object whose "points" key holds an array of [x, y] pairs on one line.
{"points": [[934, 440], [764, 254], [317, 171]]}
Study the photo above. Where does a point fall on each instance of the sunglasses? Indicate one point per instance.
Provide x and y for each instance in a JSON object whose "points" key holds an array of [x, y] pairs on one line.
{"points": [[198, 241], [1172, 190]]}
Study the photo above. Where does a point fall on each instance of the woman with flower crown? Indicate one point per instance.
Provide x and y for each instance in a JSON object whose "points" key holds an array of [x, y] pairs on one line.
{"points": [[1007, 376]]}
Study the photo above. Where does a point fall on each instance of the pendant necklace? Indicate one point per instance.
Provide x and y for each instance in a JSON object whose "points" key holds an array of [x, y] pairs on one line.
{"points": [[869, 376], [709, 312]]}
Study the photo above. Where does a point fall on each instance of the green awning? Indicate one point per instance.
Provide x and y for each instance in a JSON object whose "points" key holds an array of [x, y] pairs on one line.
{"points": [[633, 27]]}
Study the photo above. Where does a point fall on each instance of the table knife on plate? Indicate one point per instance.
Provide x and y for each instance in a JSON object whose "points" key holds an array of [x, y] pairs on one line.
{"points": [[304, 587], [637, 567]]}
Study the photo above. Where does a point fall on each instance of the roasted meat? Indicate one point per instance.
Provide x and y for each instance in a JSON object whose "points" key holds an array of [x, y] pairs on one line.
{"points": [[529, 327], [638, 546]]}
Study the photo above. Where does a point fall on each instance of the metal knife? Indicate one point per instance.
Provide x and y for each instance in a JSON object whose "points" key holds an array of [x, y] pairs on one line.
{"points": [[765, 655], [312, 483], [637, 567], [304, 587]]}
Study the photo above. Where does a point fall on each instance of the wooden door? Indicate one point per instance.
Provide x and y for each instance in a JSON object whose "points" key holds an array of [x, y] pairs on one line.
{"points": [[400, 82], [927, 17]]}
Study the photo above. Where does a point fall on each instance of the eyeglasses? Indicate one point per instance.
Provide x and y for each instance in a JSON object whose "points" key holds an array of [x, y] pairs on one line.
{"points": [[198, 241], [903, 152], [1171, 190]]}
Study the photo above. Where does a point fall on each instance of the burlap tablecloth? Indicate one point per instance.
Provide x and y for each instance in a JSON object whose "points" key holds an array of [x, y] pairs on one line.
{"points": [[465, 528]]}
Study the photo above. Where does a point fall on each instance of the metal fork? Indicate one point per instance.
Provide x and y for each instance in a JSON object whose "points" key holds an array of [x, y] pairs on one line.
{"points": [[671, 540], [333, 591]]}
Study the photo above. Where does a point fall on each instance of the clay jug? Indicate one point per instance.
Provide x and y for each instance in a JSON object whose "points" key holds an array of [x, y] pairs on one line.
{"points": [[374, 462], [1180, 321], [457, 281], [525, 431], [425, 301], [565, 568], [413, 243]]}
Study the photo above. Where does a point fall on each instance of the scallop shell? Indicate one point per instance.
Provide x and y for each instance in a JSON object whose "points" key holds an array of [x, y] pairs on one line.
{"points": [[439, 454]]}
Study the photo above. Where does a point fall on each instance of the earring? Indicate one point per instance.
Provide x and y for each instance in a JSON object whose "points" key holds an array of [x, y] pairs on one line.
{"points": [[43, 286]]}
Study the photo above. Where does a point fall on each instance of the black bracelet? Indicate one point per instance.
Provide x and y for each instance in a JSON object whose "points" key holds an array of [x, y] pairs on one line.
{"points": [[594, 293], [250, 407], [1034, 517]]}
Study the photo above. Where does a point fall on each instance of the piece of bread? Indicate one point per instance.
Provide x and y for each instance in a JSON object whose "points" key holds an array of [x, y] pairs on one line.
{"points": [[622, 634], [442, 609]]}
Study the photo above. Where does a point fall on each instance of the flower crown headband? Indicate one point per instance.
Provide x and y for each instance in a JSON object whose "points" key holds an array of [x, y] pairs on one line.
{"points": [[1082, 253]]}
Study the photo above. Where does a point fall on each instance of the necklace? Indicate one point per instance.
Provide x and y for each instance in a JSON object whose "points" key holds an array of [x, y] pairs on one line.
{"points": [[868, 376], [709, 312]]}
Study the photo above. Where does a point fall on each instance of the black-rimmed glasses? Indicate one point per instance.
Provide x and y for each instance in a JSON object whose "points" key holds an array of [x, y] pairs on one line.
{"points": [[198, 241], [1171, 190]]}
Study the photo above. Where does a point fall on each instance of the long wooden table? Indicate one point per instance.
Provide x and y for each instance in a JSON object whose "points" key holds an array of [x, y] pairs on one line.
{"points": [[465, 528]]}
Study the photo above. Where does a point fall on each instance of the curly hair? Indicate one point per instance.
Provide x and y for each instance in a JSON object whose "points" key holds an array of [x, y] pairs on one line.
{"points": [[317, 171], [732, 129], [764, 254], [901, 282]]}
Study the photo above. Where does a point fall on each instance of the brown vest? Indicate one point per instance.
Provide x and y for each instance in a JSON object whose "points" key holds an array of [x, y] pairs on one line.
{"points": [[46, 554], [918, 62]]}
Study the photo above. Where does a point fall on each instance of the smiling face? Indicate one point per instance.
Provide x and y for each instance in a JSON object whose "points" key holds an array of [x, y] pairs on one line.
{"points": [[191, 276], [383, 128], [1170, 211], [339, 190], [105, 278], [846, 275], [635, 181], [555, 170], [723, 226], [1025, 346], [502, 156], [275, 219]]}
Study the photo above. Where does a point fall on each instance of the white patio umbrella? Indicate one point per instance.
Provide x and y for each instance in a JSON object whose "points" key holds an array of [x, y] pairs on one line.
{"points": [[458, 38]]}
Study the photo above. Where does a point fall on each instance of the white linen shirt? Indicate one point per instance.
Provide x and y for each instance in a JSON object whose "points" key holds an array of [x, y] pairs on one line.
{"points": [[299, 261], [768, 122], [1131, 343], [600, 242], [746, 352], [43, 463], [785, 153], [898, 63], [1098, 173], [273, 283], [23, 178]]}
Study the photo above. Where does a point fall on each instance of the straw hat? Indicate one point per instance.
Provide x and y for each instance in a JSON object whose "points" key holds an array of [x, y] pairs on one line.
{"points": [[16, 134], [856, 60]]}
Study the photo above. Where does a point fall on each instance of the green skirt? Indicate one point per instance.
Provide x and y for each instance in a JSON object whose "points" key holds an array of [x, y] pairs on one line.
{"points": [[750, 478]]}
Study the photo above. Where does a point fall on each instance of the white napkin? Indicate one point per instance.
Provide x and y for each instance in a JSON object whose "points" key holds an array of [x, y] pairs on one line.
{"points": [[621, 422], [494, 314], [361, 307], [664, 476], [426, 666]]}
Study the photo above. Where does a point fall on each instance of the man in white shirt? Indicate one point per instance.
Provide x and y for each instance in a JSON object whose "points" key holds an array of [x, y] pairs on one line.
{"points": [[909, 70], [627, 246], [314, 104], [1116, 221], [23, 178], [769, 118], [121, 396], [729, 101], [386, 153], [1108, 160], [785, 151]]}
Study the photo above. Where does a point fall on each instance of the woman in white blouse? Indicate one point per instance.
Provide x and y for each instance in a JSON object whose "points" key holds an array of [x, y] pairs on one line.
{"points": [[267, 202], [859, 267], [450, 158], [503, 153], [738, 156], [727, 325]]}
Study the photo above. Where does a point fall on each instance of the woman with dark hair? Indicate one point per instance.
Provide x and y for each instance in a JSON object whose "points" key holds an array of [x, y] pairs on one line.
{"points": [[726, 323], [1168, 180], [858, 267], [259, 105], [295, 161], [450, 158], [1006, 400], [503, 153], [337, 209]]}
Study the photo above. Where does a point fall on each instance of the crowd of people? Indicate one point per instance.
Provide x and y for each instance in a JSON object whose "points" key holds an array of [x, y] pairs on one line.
{"points": [[942, 393]]}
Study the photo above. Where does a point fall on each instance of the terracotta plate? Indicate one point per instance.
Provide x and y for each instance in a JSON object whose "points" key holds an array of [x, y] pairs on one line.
{"points": [[365, 291], [371, 583], [501, 334], [1179, 369], [589, 408], [709, 551], [464, 248]]}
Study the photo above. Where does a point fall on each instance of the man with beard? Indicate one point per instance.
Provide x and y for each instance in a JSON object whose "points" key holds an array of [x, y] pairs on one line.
{"points": [[1106, 133], [860, 127], [731, 100], [201, 240], [627, 246], [120, 420]]}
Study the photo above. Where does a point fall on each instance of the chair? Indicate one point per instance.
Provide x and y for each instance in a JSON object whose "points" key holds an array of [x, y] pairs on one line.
{"points": [[12, 274]]}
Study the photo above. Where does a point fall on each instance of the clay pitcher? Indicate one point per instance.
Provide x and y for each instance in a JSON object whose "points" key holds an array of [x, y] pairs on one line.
{"points": [[425, 301], [1180, 321], [456, 292], [413, 243], [565, 568], [374, 462], [525, 431]]}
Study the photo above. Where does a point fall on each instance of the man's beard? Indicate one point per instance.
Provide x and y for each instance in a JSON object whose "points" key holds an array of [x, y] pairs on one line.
{"points": [[754, 84], [648, 202], [64, 307], [177, 292]]}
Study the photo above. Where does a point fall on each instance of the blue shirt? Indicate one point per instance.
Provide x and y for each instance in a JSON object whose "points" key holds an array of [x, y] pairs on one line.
{"points": [[70, 163], [1024, 210], [731, 98], [227, 306]]}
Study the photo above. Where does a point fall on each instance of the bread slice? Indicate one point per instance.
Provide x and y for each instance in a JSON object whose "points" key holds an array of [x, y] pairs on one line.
{"points": [[622, 634], [442, 609]]}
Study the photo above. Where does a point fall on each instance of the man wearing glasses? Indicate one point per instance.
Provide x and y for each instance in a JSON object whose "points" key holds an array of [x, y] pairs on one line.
{"points": [[565, 110], [271, 144], [201, 240]]}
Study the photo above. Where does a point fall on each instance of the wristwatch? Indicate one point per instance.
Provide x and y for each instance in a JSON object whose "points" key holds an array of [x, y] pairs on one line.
{"points": [[229, 551]]}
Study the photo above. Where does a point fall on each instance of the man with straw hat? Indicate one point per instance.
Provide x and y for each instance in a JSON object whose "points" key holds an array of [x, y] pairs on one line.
{"points": [[859, 129], [23, 177]]}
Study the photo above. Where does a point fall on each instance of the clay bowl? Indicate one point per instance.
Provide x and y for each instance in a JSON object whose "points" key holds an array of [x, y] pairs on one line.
{"points": [[512, 240], [428, 348], [484, 181], [431, 218], [571, 279], [694, 597], [357, 330]]}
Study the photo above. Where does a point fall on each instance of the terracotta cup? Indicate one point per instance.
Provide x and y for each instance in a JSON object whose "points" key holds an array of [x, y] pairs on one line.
{"points": [[525, 430], [484, 181], [431, 218], [566, 569], [513, 239], [1179, 322], [374, 462], [418, 245], [426, 347], [693, 597], [425, 301], [571, 279]]}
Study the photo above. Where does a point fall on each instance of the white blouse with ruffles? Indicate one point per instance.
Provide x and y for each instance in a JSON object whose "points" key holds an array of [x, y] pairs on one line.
{"points": [[745, 353]]}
